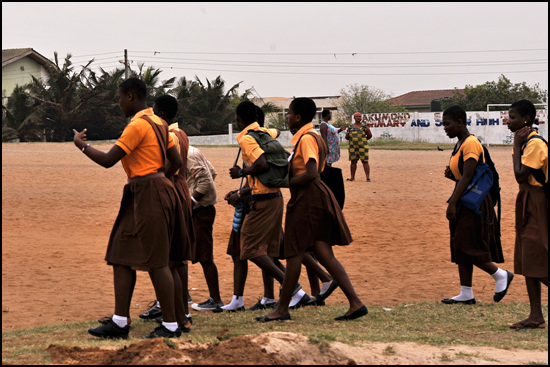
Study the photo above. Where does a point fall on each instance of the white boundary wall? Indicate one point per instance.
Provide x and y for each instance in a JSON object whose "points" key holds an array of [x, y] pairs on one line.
{"points": [[416, 126]]}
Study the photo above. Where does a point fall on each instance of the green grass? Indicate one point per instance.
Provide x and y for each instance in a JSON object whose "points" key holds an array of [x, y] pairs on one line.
{"points": [[430, 323]]}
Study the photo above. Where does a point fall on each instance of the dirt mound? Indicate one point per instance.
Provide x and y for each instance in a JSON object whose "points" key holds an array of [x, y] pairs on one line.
{"points": [[280, 348]]}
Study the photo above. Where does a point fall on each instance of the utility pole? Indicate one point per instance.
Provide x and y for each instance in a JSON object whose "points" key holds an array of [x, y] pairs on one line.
{"points": [[125, 64]]}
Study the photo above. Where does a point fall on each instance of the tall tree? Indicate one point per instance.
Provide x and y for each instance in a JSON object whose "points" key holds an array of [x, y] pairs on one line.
{"points": [[65, 98], [476, 98], [19, 120], [365, 99]]}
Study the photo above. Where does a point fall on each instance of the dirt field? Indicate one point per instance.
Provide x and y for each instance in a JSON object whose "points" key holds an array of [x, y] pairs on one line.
{"points": [[58, 208]]}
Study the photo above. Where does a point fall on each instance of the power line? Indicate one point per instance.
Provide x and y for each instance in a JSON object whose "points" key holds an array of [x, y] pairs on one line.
{"points": [[337, 53]]}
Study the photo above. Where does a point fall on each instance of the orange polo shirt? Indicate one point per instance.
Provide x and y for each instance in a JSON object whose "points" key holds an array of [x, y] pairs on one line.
{"points": [[535, 156], [139, 141], [472, 148], [308, 149], [251, 151]]}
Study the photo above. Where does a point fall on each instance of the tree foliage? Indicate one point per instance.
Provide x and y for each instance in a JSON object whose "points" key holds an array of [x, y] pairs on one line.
{"points": [[366, 99], [476, 98]]}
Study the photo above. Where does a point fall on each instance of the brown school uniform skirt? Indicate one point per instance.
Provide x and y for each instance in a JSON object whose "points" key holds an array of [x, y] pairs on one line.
{"points": [[203, 221], [149, 229], [262, 229], [189, 241], [313, 214], [475, 238], [531, 250]]}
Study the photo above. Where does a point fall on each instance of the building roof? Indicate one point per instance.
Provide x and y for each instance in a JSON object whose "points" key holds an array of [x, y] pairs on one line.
{"points": [[14, 54], [423, 97]]}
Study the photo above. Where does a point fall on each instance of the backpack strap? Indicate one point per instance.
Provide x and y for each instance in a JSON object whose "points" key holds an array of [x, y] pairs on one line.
{"points": [[162, 135]]}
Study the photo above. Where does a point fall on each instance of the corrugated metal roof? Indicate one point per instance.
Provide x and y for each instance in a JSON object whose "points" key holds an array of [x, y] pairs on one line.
{"points": [[14, 54], [423, 97]]}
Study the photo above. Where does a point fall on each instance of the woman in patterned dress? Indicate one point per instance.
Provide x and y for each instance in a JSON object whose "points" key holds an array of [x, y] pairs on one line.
{"points": [[358, 135]]}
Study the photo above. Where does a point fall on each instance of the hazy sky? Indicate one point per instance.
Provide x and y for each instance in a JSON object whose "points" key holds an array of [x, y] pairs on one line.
{"points": [[297, 49]]}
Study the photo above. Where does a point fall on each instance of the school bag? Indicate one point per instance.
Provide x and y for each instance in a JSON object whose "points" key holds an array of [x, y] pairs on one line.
{"points": [[494, 191], [538, 174], [277, 160]]}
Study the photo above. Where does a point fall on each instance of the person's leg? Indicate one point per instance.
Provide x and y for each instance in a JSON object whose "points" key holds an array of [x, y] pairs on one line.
{"points": [[291, 276], [163, 284], [315, 273], [184, 280], [210, 271], [179, 300], [266, 263], [124, 282], [352, 169], [240, 273], [269, 291], [366, 168], [326, 257]]}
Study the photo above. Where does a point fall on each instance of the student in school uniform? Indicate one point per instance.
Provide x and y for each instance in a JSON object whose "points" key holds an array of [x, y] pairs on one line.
{"points": [[262, 231], [530, 159], [314, 220], [150, 210], [166, 107], [475, 239]]}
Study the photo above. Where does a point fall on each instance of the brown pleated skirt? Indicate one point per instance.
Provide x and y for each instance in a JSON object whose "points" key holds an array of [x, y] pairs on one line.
{"points": [[531, 250], [313, 214], [262, 229], [149, 231], [475, 238], [189, 241]]}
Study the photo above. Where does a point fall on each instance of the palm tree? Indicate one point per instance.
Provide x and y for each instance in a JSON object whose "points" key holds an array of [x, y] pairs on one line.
{"points": [[65, 99], [19, 120]]}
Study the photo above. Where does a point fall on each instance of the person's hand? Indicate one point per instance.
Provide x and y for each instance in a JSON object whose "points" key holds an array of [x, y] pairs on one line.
{"points": [[449, 173], [451, 211], [234, 172], [520, 136], [234, 198], [226, 198], [79, 136]]}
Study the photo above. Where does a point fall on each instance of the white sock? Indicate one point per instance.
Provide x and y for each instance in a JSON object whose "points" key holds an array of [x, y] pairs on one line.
{"points": [[501, 278], [324, 286], [172, 326], [297, 297], [466, 293], [121, 321], [158, 304], [236, 302], [266, 300]]}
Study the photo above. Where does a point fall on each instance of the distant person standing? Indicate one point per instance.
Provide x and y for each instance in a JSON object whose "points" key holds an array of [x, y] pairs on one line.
{"points": [[358, 135], [530, 159], [330, 134]]}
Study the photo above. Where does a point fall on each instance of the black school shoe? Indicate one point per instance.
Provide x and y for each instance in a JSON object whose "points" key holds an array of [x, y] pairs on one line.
{"points": [[361, 311], [450, 301], [162, 332], [500, 295], [152, 313], [302, 302], [110, 330]]}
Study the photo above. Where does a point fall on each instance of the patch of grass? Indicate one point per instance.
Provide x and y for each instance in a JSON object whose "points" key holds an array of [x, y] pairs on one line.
{"points": [[389, 350], [430, 323]]}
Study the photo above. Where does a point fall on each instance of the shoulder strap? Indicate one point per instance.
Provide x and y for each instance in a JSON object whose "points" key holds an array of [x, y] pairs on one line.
{"points": [[162, 135]]}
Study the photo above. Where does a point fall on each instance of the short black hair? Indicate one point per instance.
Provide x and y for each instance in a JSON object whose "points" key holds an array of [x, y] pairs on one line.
{"points": [[305, 107], [167, 104], [325, 113], [247, 111], [134, 85], [261, 116], [456, 113], [525, 108]]}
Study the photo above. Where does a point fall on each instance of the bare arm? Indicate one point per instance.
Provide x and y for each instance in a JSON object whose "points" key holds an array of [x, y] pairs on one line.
{"points": [[521, 172], [323, 130], [259, 166], [106, 160], [309, 175], [174, 161]]}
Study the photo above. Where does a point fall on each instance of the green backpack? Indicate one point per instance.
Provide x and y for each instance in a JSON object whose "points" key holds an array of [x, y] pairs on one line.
{"points": [[276, 157]]}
